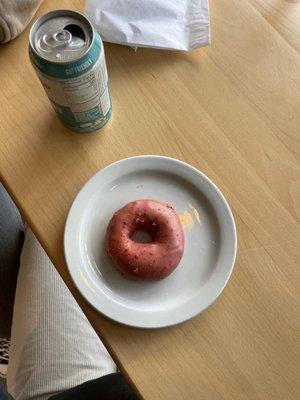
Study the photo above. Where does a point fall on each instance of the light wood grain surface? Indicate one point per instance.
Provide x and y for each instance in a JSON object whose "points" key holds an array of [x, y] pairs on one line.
{"points": [[233, 111]]}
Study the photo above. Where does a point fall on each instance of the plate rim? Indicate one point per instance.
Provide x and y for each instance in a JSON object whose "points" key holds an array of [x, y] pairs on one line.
{"points": [[224, 203]]}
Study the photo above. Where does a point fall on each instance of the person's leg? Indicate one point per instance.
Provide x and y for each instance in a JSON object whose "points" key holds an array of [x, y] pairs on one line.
{"points": [[11, 241], [109, 387], [54, 347]]}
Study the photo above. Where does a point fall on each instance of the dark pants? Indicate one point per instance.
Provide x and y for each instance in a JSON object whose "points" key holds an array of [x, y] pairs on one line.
{"points": [[11, 241]]}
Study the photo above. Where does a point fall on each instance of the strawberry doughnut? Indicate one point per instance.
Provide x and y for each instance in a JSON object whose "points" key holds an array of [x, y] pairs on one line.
{"points": [[145, 261]]}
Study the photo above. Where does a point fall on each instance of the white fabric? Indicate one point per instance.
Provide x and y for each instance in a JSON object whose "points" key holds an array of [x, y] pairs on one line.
{"points": [[163, 24], [14, 17], [53, 345]]}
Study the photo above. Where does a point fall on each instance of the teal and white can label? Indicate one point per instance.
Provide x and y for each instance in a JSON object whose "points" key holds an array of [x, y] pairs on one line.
{"points": [[69, 59]]}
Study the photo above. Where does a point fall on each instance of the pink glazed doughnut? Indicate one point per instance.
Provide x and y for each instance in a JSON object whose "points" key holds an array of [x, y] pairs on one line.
{"points": [[145, 261]]}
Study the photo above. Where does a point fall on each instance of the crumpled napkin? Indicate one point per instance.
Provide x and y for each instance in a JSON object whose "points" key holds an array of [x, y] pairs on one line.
{"points": [[14, 17], [163, 24]]}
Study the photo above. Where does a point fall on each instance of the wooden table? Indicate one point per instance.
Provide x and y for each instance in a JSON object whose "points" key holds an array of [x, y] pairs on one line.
{"points": [[233, 111]]}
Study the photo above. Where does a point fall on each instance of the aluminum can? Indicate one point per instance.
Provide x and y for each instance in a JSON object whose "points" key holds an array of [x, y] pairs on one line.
{"points": [[68, 56]]}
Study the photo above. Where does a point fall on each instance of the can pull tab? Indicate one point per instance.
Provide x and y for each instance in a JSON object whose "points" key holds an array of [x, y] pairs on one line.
{"points": [[57, 40], [62, 43]]}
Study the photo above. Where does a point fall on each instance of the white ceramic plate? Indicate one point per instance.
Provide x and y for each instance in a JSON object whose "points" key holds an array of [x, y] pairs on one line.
{"points": [[210, 242]]}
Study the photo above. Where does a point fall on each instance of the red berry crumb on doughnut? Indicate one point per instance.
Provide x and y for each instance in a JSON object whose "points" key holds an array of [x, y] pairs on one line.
{"points": [[145, 261]]}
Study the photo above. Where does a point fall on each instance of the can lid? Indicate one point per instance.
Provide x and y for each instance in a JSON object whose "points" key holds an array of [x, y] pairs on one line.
{"points": [[61, 36]]}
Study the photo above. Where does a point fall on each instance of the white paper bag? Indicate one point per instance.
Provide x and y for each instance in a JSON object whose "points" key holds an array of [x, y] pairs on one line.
{"points": [[163, 24]]}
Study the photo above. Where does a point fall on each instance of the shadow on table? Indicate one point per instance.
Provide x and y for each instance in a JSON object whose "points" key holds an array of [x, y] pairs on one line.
{"points": [[123, 60]]}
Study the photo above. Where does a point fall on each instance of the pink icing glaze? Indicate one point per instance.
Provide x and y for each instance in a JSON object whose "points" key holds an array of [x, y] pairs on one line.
{"points": [[146, 261]]}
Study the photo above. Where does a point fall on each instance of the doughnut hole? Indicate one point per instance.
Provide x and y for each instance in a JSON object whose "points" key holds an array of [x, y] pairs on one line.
{"points": [[144, 230], [142, 237]]}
